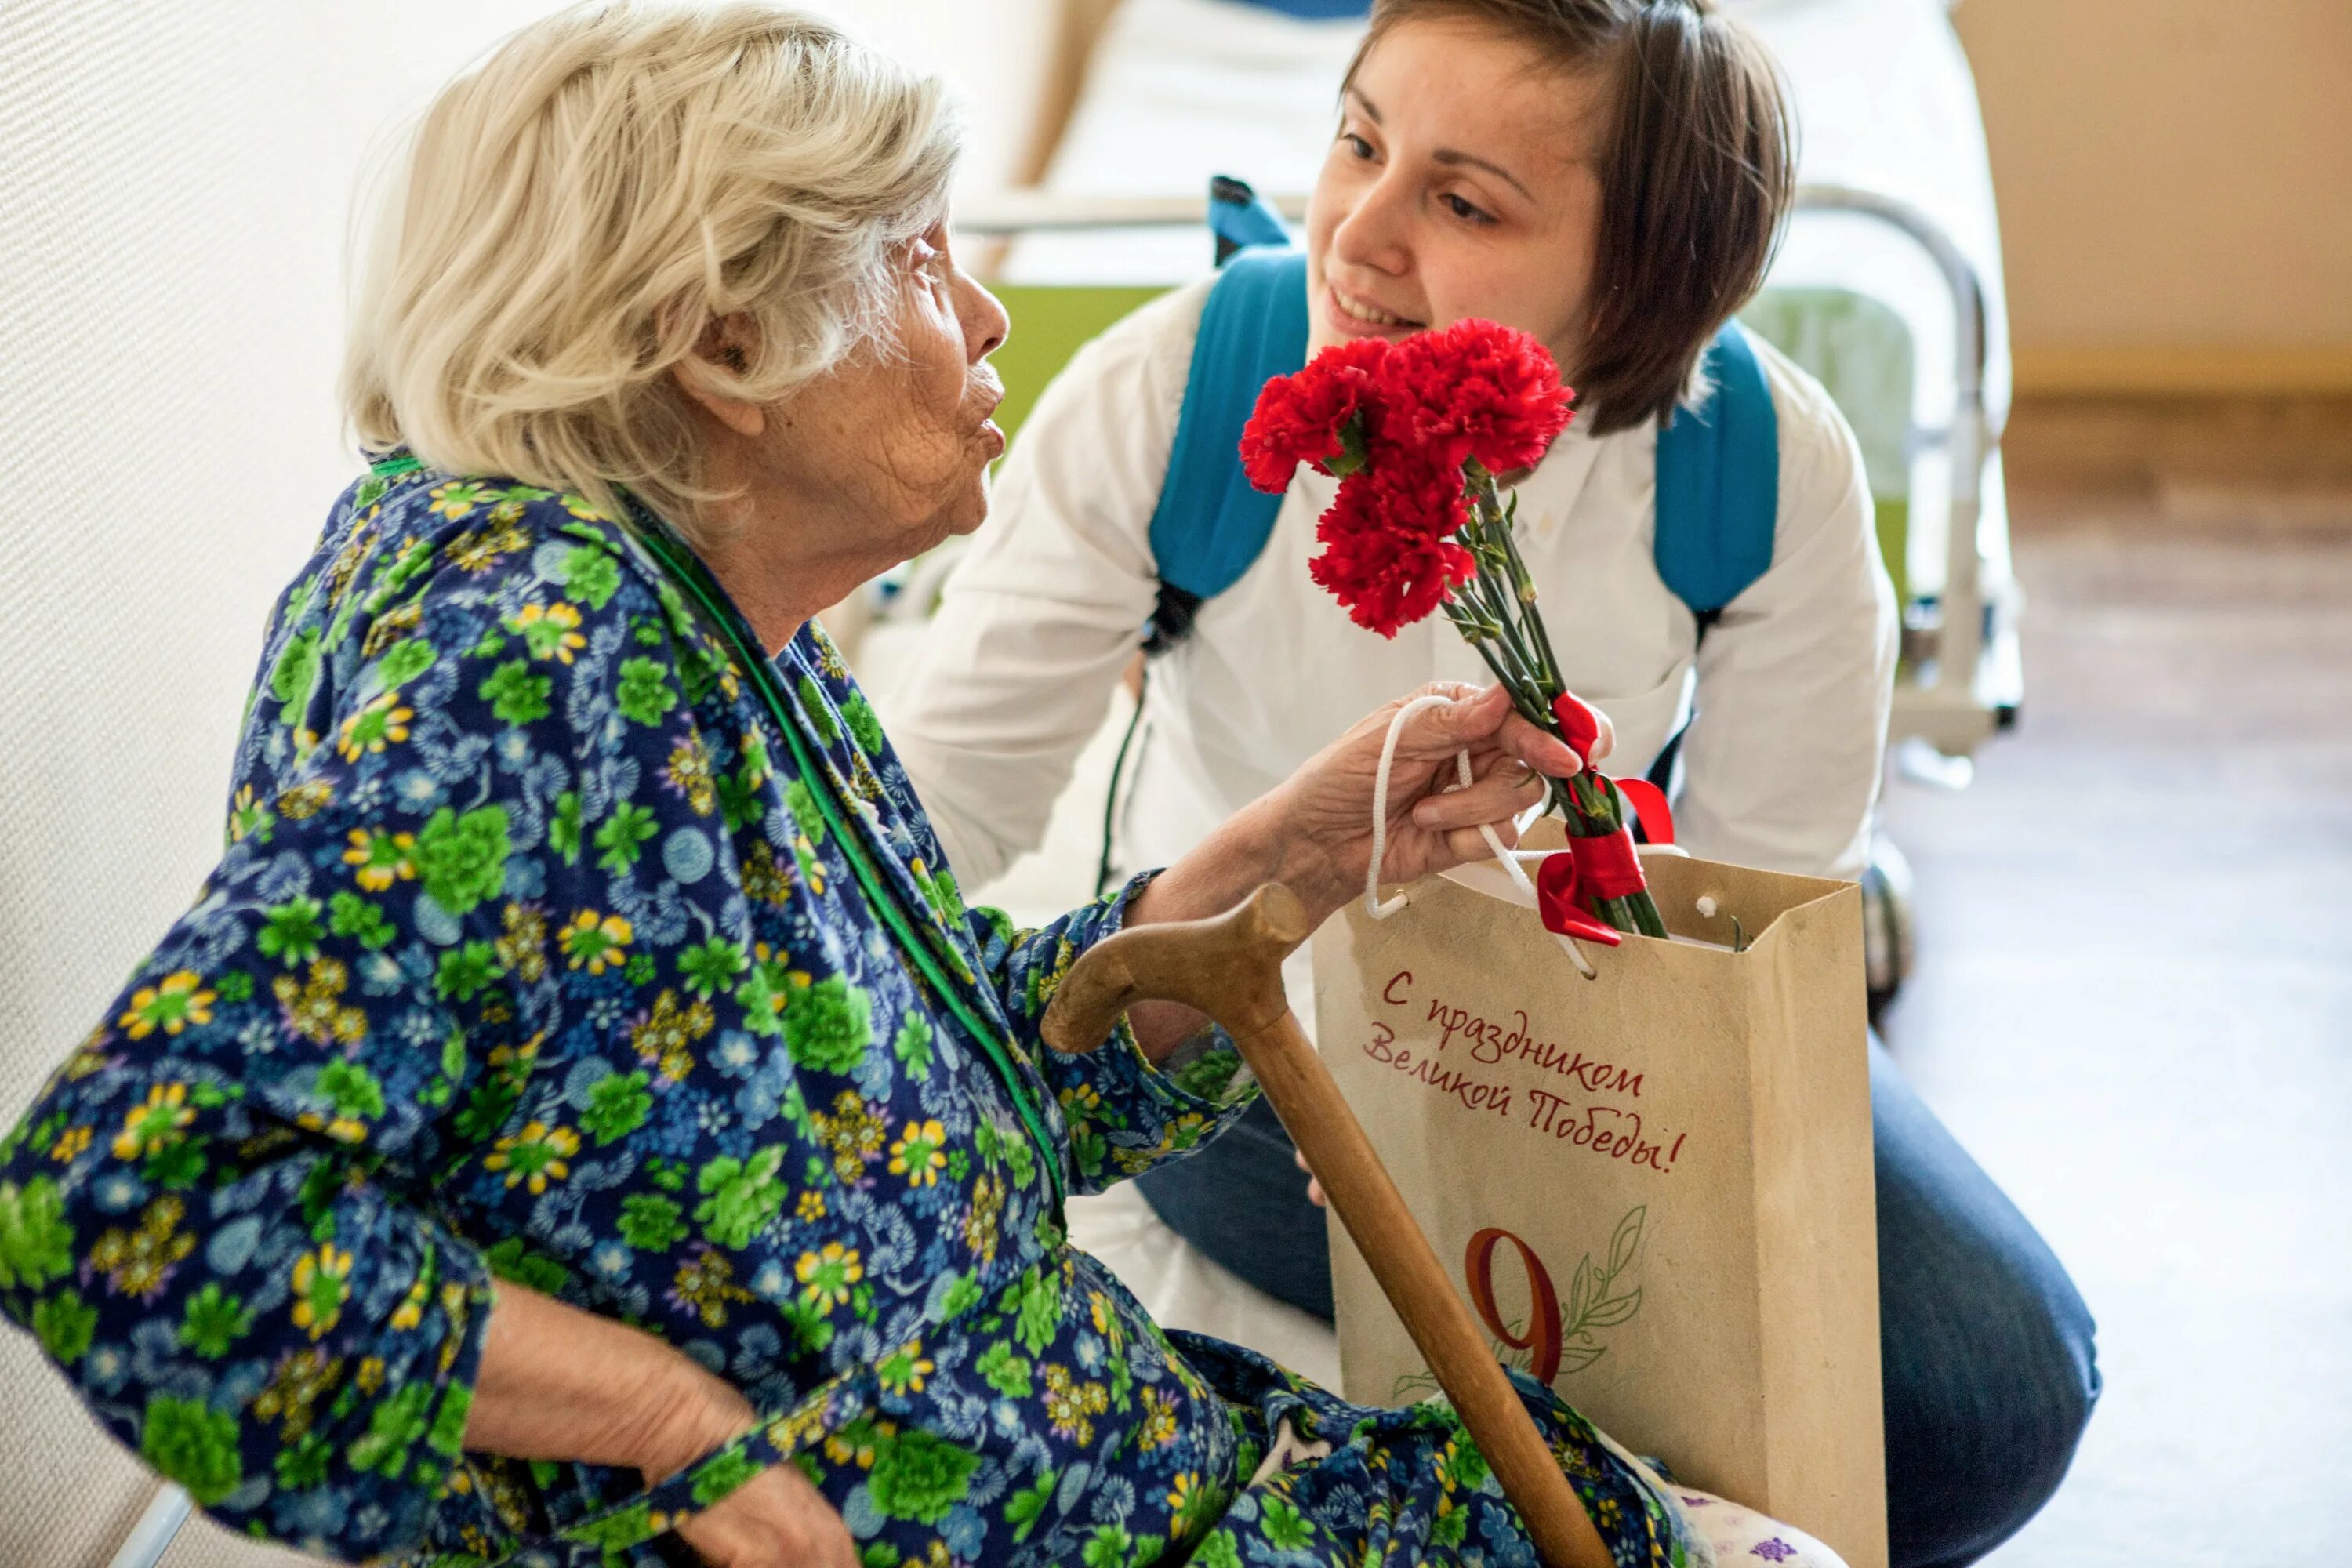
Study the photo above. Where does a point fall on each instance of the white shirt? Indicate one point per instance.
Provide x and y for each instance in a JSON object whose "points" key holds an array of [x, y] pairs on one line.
{"points": [[1015, 673]]}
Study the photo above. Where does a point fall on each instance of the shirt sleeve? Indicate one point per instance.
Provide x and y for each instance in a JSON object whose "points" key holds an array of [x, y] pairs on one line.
{"points": [[1014, 673], [1123, 1114], [1796, 680], [211, 1217], [230, 1216]]}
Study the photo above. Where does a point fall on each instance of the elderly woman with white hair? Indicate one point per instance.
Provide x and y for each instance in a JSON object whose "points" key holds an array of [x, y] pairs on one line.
{"points": [[578, 1121]]}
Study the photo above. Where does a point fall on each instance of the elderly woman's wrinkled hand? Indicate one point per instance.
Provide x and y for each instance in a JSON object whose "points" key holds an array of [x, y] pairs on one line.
{"points": [[776, 1519], [1324, 810]]}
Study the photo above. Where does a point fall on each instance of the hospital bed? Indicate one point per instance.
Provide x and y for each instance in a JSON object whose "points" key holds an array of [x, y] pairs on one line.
{"points": [[1888, 290]]}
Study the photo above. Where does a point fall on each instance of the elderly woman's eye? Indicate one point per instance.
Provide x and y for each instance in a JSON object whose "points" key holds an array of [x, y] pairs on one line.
{"points": [[931, 264]]}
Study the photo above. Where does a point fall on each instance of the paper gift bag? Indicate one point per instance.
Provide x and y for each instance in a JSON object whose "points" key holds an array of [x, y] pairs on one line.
{"points": [[1653, 1185]]}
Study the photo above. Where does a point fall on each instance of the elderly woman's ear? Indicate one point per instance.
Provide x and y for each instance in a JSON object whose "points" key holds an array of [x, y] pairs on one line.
{"points": [[722, 354]]}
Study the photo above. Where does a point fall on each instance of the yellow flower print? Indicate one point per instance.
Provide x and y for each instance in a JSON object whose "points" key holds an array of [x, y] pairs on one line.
{"points": [[688, 773], [549, 631], [1188, 1498], [599, 941], [578, 507], [811, 868], [826, 1276], [139, 1261], [478, 550], [341, 1129], [853, 1133], [171, 1004], [797, 1429], [154, 1125], [987, 1209], [321, 1284], [88, 1057], [246, 819], [370, 1376], [859, 1443], [455, 1310], [864, 782], [411, 1311], [765, 878], [381, 723], [314, 1008], [347, 563], [295, 1388], [69, 1146], [537, 1154], [1071, 1405], [811, 1206], [457, 498], [667, 1037], [523, 943], [754, 753], [903, 1371], [382, 859], [705, 1282], [921, 1154], [391, 626], [1157, 1426], [304, 801]]}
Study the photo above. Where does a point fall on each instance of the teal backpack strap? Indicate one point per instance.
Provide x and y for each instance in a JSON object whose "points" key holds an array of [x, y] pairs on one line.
{"points": [[1719, 478], [1237, 218], [1719, 482], [1210, 524]]}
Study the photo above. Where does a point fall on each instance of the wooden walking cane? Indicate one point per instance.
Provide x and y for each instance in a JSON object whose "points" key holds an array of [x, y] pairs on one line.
{"points": [[1230, 968]]}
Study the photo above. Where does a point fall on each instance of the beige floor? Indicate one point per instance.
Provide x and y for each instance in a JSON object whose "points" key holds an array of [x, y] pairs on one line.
{"points": [[2134, 1004]]}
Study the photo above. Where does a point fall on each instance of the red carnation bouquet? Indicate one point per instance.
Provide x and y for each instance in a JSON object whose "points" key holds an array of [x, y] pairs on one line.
{"points": [[1416, 432]]}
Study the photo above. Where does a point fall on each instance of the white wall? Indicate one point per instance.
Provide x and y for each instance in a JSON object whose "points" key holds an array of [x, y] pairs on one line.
{"points": [[2173, 178], [175, 184]]}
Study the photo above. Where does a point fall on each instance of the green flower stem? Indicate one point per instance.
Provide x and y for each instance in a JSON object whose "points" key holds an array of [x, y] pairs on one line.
{"points": [[1495, 612]]}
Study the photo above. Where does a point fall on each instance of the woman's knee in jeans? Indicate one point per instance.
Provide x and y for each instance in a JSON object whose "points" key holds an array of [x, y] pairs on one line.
{"points": [[1982, 1458]]}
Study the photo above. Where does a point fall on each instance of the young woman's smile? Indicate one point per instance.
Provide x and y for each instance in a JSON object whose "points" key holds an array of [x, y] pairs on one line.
{"points": [[1460, 184]]}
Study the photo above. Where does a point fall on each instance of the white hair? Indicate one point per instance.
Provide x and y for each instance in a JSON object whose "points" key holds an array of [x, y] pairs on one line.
{"points": [[577, 211]]}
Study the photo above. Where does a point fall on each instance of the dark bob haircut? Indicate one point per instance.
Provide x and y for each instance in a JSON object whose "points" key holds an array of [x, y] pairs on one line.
{"points": [[1698, 175]]}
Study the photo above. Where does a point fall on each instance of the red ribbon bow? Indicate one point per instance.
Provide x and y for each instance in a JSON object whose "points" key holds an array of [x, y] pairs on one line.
{"points": [[1569, 882]]}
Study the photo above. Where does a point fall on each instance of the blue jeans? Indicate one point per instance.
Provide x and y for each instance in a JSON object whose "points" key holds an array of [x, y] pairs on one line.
{"points": [[1985, 1348]]}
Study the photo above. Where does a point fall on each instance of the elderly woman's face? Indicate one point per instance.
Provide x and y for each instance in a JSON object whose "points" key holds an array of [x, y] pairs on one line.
{"points": [[901, 437]]}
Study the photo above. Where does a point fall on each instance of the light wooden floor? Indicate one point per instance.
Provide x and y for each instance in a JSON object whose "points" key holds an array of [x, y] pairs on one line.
{"points": [[2134, 1004]]}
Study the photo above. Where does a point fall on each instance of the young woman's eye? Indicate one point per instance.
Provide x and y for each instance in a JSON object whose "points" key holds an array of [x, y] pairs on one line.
{"points": [[1357, 145], [1466, 211]]}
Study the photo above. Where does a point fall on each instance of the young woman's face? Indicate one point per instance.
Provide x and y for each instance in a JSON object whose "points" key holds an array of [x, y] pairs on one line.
{"points": [[1463, 182]]}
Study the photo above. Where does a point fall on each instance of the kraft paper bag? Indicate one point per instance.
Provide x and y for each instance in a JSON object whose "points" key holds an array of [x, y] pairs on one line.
{"points": [[1653, 1185]]}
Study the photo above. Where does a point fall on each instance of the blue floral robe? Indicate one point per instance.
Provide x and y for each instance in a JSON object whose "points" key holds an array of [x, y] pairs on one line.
{"points": [[539, 951]]}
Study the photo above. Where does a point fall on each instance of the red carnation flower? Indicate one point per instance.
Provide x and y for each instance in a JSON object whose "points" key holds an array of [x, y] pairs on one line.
{"points": [[1475, 390], [1298, 418], [1387, 556]]}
